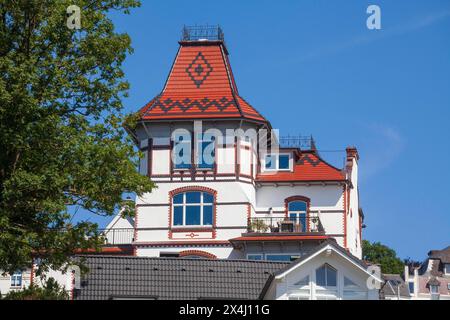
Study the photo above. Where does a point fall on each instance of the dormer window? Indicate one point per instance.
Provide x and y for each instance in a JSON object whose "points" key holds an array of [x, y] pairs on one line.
{"points": [[277, 162], [447, 268]]}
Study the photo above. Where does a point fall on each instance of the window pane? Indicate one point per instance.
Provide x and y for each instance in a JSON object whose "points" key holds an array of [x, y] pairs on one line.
{"points": [[411, 287], [320, 277], [193, 197], [297, 206], [270, 162], [206, 154], [207, 215], [299, 219], [208, 198], [177, 216], [276, 257], [331, 277], [182, 152], [349, 284], [192, 215], [178, 198], [293, 217], [283, 162], [303, 282], [254, 257]]}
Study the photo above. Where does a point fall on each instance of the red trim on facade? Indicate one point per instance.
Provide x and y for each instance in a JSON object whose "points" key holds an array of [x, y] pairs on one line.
{"points": [[176, 243], [135, 234], [195, 229], [199, 253], [298, 198], [149, 156], [345, 216], [32, 272], [237, 168], [126, 250]]}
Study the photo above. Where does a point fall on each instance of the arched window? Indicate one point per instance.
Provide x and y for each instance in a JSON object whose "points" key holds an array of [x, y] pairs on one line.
{"points": [[193, 208], [297, 212]]}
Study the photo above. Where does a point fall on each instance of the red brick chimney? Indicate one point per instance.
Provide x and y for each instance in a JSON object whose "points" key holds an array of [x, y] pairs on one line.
{"points": [[352, 153]]}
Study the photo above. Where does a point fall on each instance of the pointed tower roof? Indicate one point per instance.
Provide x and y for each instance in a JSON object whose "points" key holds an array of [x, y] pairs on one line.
{"points": [[200, 84]]}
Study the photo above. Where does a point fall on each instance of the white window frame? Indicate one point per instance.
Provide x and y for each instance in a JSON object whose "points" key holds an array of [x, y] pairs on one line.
{"points": [[358, 291], [413, 287], [298, 214], [277, 161], [280, 254], [14, 279], [198, 149], [304, 292], [436, 287], [186, 142], [184, 205], [328, 292], [255, 254], [447, 268]]}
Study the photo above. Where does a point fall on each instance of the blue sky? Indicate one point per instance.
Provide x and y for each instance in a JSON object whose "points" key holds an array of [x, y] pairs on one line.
{"points": [[313, 67]]}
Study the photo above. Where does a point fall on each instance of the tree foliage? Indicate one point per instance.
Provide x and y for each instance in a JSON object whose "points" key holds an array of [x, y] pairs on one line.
{"points": [[50, 290], [62, 141], [383, 255]]}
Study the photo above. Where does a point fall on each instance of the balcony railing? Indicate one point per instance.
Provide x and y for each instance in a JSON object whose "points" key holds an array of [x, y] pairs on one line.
{"points": [[207, 32], [310, 224], [302, 142], [118, 236]]}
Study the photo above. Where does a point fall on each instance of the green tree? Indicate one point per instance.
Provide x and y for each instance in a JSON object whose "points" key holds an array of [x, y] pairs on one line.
{"points": [[50, 290], [383, 255], [62, 137]]}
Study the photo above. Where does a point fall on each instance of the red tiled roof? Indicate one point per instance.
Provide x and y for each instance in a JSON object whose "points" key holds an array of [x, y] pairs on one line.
{"points": [[309, 167], [200, 86]]}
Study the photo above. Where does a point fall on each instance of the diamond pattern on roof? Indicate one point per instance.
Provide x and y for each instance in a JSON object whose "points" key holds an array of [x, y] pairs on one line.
{"points": [[200, 86], [199, 69]]}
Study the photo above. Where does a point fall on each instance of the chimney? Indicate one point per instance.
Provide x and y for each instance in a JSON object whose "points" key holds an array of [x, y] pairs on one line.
{"points": [[406, 273], [352, 153]]}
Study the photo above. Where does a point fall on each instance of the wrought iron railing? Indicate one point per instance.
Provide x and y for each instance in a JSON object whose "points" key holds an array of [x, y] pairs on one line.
{"points": [[302, 142], [195, 33], [119, 236], [298, 224]]}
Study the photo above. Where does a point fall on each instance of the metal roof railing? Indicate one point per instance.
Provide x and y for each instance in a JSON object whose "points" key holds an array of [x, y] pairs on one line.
{"points": [[198, 33]]}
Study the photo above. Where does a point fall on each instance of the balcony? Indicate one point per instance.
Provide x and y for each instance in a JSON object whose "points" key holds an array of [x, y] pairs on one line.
{"points": [[114, 237], [285, 225]]}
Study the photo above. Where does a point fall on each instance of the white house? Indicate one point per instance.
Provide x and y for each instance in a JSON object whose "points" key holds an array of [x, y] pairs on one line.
{"points": [[228, 185]]}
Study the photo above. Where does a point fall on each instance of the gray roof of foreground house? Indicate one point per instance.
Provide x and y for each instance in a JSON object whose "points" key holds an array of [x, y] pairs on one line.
{"points": [[112, 277]]}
